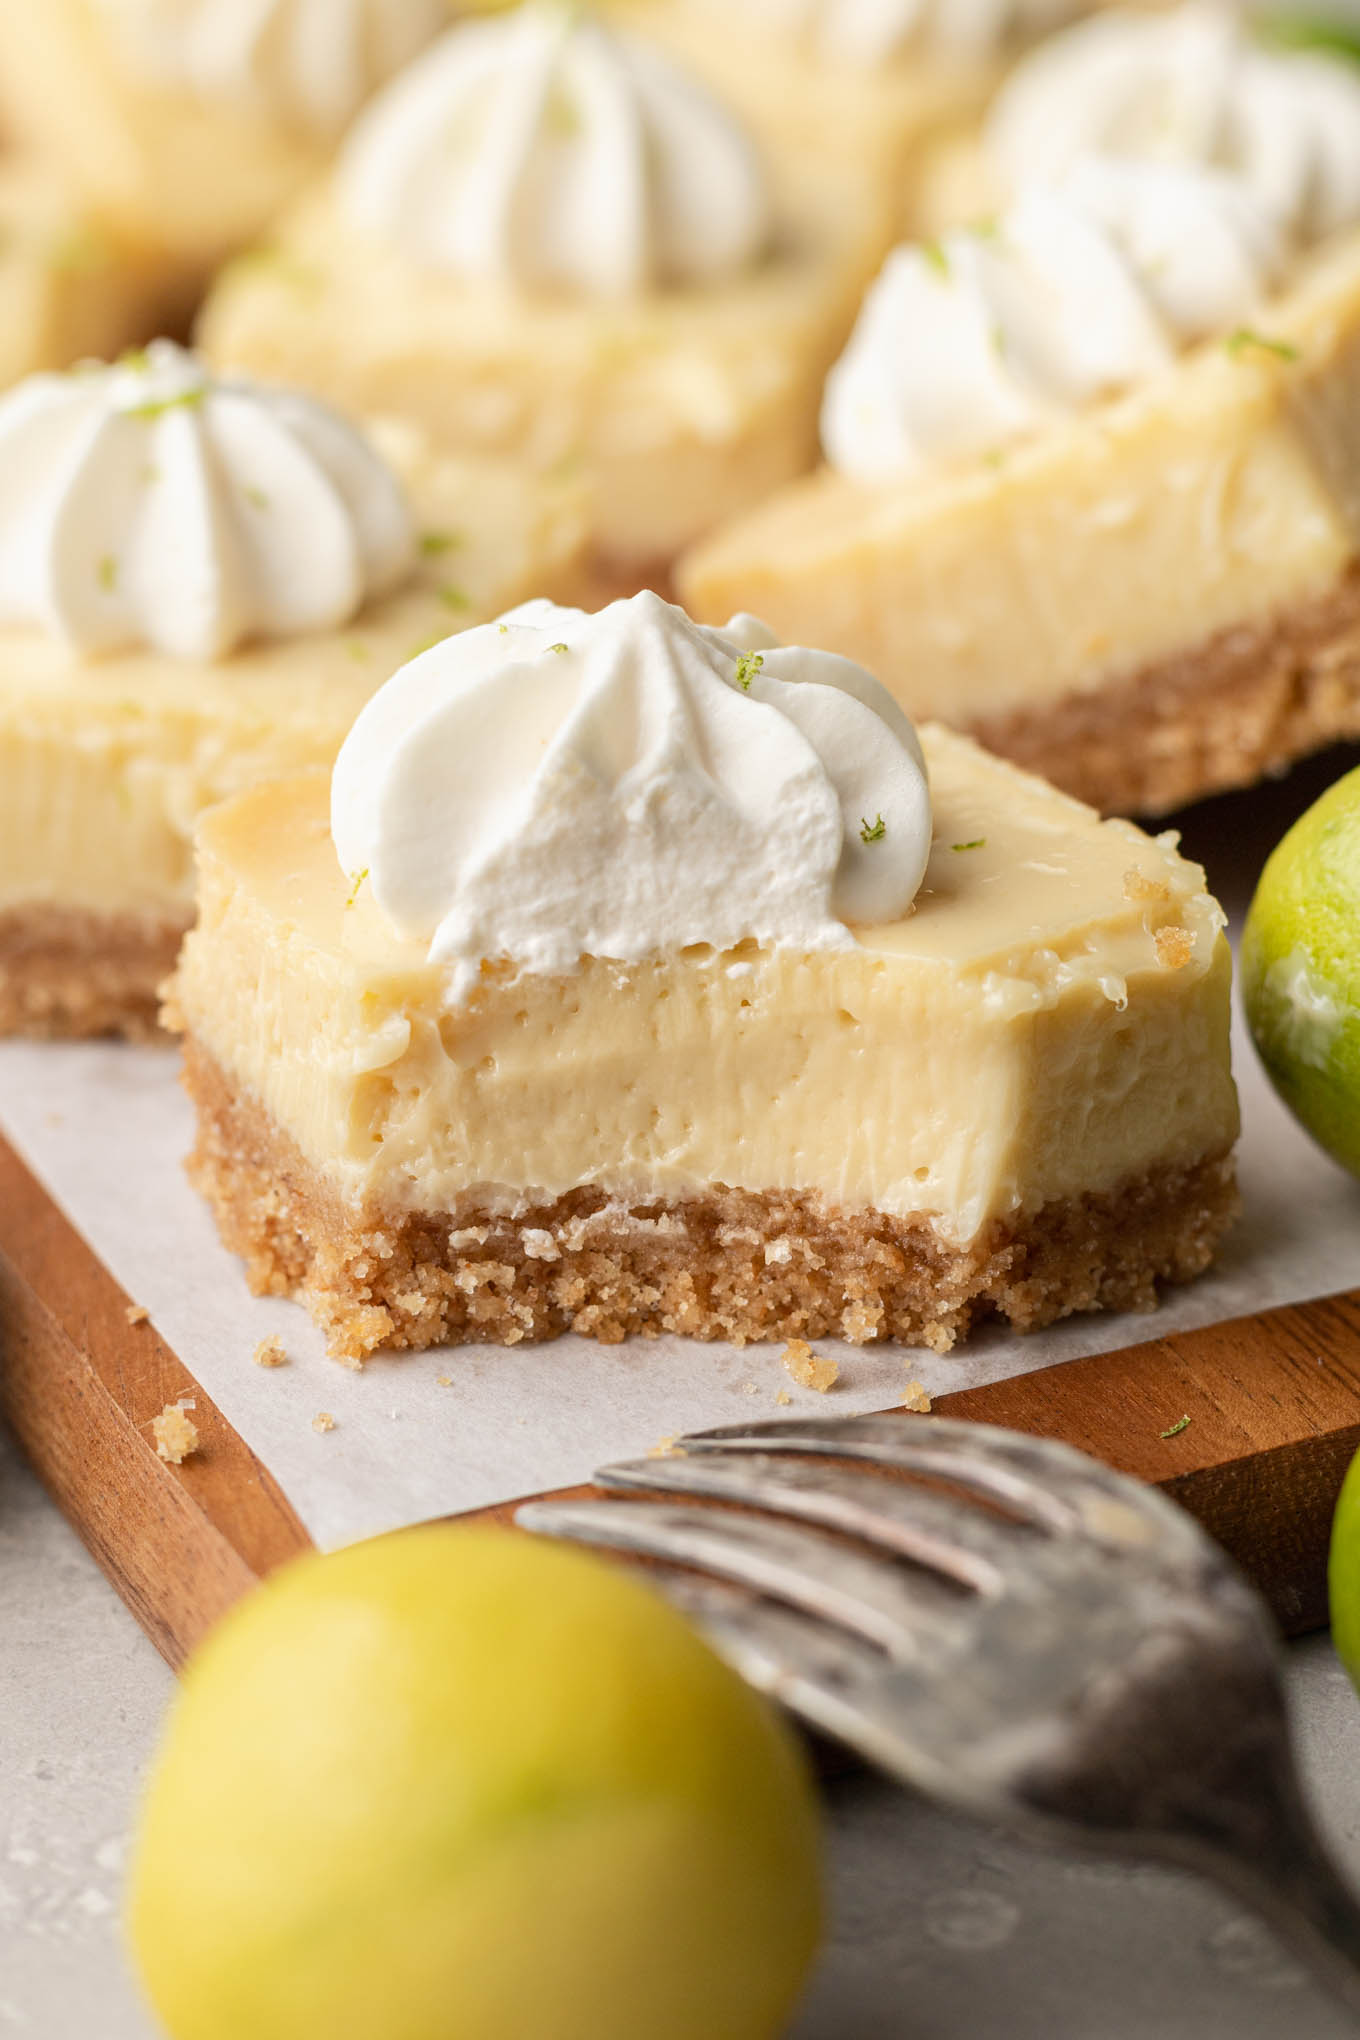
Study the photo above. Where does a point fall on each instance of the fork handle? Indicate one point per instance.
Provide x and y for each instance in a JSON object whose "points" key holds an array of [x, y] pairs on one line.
{"points": [[1312, 1913], [1285, 1875]]}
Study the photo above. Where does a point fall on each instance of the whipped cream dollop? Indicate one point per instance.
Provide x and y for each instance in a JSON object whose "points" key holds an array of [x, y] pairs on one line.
{"points": [[542, 150], [150, 505], [1193, 84], [309, 63], [860, 34], [1078, 291], [558, 785]]}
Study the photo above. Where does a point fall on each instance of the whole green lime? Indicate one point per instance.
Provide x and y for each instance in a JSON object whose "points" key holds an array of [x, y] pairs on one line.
{"points": [[461, 1784], [1343, 1573], [1301, 969]]}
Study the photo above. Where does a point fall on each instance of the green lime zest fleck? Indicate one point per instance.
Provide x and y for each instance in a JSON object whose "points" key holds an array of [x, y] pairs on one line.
{"points": [[258, 497], [1245, 338], [275, 261], [1291, 32], [427, 644], [978, 843], [108, 573], [934, 253], [504, 629], [433, 543], [988, 228], [135, 358], [354, 889], [559, 648], [748, 665], [187, 400], [872, 831], [454, 598], [358, 651], [1181, 1424]]}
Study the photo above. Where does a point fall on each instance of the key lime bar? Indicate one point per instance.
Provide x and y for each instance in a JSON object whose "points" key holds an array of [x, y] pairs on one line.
{"points": [[1013, 1101]]}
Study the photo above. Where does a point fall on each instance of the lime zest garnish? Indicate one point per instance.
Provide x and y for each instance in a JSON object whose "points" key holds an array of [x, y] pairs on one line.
{"points": [[748, 665], [978, 843], [872, 832], [187, 400], [433, 543], [1287, 31], [935, 254], [1181, 1424], [258, 497], [108, 573], [358, 650], [454, 598], [354, 889], [559, 648], [1244, 338]]}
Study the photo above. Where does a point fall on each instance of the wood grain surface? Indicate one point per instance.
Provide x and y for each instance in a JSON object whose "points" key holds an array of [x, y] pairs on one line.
{"points": [[1273, 1402]]}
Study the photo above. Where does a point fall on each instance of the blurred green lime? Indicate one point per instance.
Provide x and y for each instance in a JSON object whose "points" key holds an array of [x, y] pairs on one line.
{"points": [[1301, 969], [1343, 1573], [463, 1784]]}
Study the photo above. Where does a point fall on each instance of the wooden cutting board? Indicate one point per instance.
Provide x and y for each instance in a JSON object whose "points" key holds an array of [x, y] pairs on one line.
{"points": [[1273, 1402]]}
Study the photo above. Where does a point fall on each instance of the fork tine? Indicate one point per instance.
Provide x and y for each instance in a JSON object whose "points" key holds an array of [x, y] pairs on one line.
{"points": [[826, 1678], [886, 1605], [942, 1531], [1047, 1483]]}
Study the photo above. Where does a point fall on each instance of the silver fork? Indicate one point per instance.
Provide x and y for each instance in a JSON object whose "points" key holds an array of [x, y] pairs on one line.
{"points": [[1004, 1624]]}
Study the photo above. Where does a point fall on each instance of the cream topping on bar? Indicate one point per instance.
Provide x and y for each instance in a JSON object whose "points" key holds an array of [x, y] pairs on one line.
{"points": [[149, 505], [560, 785], [541, 150], [861, 34], [1196, 85], [1081, 289], [311, 63]]}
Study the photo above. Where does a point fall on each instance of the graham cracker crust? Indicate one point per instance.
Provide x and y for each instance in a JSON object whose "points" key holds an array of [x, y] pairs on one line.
{"points": [[67, 974], [1235, 709], [728, 1264]]}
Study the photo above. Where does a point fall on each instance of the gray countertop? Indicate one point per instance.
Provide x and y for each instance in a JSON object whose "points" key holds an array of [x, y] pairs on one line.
{"points": [[942, 1931]]}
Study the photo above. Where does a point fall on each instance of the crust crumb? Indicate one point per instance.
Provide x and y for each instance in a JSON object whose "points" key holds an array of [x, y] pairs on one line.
{"points": [[323, 1421], [136, 1313], [271, 1352], [783, 1399], [666, 1448], [809, 1369], [1175, 947], [176, 1434], [914, 1397], [1138, 886], [444, 1380]]}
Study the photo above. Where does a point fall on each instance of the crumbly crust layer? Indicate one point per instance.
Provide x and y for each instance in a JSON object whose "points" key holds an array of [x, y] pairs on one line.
{"points": [[67, 973], [727, 1264], [1225, 713]]}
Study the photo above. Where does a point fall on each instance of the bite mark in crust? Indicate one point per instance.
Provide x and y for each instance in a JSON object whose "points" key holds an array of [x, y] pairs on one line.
{"points": [[1227, 713], [67, 974], [727, 1264]]}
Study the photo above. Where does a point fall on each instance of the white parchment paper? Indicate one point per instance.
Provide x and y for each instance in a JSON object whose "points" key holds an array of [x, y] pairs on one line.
{"points": [[105, 1129]]}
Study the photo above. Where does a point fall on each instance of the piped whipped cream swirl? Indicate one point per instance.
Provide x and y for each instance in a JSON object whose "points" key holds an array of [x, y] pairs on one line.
{"points": [[1191, 85], [624, 784], [860, 34], [1078, 291], [541, 150], [147, 505], [309, 63]]}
